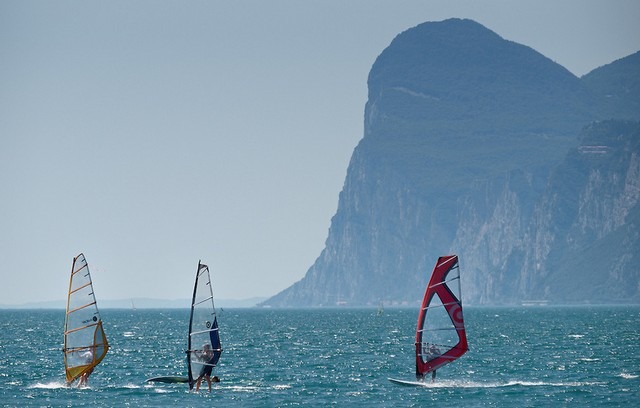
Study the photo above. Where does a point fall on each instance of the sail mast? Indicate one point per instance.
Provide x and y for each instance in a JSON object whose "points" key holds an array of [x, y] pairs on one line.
{"points": [[189, 347]]}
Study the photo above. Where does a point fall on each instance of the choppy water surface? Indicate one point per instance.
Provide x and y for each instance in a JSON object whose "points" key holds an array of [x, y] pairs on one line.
{"points": [[520, 357]]}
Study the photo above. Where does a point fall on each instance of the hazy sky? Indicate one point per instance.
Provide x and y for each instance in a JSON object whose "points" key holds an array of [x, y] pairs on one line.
{"points": [[151, 134]]}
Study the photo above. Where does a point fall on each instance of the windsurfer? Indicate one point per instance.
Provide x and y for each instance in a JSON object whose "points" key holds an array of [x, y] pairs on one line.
{"points": [[434, 330], [87, 356], [207, 356], [434, 352]]}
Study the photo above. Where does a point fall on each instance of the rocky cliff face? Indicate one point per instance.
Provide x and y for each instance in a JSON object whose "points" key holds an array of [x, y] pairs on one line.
{"points": [[578, 243], [473, 146]]}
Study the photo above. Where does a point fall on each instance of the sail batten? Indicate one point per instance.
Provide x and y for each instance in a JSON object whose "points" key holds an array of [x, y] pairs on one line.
{"points": [[81, 287], [439, 329], [82, 307], [202, 331], [79, 269], [80, 328], [203, 300], [444, 304], [85, 343]]}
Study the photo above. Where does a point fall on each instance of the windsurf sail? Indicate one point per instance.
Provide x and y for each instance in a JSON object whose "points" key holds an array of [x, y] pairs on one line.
{"points": [[85, 343], [204, 346], [440, 335]]}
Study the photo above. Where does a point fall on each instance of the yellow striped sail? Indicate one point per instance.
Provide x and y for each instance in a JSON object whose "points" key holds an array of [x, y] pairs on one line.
{"points": [[85, 343]]}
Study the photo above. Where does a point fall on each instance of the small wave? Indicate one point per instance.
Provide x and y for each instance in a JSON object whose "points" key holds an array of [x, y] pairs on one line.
{"points": [[243, 388], [355, 393], [281, 387], [128, 334], [627, 376], [589, 359], [576, 336], [49, 386], [549, 384], [513, 383]]}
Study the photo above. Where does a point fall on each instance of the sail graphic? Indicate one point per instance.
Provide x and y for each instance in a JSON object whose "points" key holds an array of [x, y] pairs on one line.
{"points": [[204, 346], [440, 335], [85, 343]]}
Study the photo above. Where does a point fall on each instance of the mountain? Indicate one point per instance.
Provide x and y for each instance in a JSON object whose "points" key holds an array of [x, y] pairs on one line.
{"points": [[590, 219], [617, 86], [483, 147]]}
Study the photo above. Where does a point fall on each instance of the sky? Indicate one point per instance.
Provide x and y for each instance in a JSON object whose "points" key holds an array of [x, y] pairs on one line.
{"points": [[151, 134]]}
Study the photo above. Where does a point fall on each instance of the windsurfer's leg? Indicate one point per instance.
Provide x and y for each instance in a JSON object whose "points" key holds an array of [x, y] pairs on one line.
{"points": [[433, 375], [200, 377], [84, 378]]}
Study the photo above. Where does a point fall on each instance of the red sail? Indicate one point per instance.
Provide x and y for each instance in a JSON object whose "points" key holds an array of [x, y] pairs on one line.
{"points": [[440, 335]]}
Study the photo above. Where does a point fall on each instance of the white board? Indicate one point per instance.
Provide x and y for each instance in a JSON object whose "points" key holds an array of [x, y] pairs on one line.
{"points": [[409, 383]]}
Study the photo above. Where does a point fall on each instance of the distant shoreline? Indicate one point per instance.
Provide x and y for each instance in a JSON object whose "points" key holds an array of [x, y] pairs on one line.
{"points": [[141, 303]]}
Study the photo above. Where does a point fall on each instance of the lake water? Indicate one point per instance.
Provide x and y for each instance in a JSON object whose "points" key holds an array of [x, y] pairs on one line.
{"points": [[518, 357]]}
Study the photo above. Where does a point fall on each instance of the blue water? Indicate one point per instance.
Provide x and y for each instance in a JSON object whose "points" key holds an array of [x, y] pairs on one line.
{"points": [[518, 357]]}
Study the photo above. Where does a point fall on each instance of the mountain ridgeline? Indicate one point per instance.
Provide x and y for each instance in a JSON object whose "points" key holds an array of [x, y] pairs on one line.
{"points": [[482, 147]]}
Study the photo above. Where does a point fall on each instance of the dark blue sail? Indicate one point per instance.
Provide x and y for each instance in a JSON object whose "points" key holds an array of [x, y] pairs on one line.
{"points": [[216, 345]]}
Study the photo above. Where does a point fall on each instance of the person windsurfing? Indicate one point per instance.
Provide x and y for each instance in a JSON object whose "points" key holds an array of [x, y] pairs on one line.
{"points": [[434, 352], [87, 356], [208, 357], [431, 351]]}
